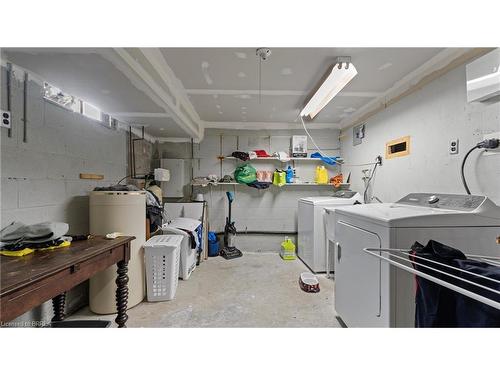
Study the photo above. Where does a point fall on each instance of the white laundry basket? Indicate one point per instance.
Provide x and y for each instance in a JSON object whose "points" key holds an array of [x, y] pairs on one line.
{"points": [[162, 266]]}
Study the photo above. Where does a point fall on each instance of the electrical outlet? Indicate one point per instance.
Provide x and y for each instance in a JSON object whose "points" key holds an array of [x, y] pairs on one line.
{"points": [[454, 146], [6, 119]]}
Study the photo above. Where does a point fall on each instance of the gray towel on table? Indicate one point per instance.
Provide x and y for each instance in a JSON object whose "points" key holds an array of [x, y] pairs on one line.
{"points": [[34, 233]]}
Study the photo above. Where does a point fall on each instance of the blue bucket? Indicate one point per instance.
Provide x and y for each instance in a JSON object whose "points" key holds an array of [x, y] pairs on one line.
{"points": [[213, 249], [213, 245]]}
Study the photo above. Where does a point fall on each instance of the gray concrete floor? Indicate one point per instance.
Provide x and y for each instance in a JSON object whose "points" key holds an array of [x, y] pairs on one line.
{"points": [[257, 290]]}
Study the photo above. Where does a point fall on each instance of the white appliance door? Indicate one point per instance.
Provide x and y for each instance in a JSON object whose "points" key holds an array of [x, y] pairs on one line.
{"points": [[305, 248], [357, 277]]}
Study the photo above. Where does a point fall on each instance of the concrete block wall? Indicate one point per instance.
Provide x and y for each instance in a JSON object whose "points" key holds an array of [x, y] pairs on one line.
{"points": [[40, 178], [432, 117], [271, 210]]}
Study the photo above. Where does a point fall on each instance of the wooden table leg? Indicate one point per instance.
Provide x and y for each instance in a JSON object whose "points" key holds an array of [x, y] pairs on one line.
{"points": [[122, 294], [58, 303]]}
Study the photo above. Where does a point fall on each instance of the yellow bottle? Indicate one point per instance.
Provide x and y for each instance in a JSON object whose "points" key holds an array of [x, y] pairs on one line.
{"points": [[321, 176]]}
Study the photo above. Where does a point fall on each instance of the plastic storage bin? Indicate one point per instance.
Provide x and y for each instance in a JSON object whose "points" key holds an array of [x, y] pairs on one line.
{"points": [[162, 266]]}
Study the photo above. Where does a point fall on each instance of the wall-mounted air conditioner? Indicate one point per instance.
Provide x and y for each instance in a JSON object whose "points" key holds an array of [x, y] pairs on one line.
{"points": [[483, 78]]}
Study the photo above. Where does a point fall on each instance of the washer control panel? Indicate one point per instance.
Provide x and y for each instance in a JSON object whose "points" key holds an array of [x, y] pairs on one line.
{"points": [[446, 201]]}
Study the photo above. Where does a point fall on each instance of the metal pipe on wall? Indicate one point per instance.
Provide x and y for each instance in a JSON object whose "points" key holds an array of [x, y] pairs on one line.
{"points": [[130, 150], [9, 96], [25, 107]]}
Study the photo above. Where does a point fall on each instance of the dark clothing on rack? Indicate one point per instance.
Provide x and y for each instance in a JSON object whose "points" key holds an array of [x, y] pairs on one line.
{"points": [[438, 306], [471, 313], [434, 303]]}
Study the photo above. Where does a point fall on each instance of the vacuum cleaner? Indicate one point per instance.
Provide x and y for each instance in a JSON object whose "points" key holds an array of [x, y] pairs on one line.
{"points": [[230, 251]]}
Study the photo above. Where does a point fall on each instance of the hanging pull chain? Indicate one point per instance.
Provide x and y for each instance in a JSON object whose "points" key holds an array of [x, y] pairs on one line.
{"points": [[263, 54], [260, 81]]}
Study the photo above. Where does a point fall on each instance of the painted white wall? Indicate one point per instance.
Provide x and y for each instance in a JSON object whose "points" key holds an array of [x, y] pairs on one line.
{"points": [[432, 117]]}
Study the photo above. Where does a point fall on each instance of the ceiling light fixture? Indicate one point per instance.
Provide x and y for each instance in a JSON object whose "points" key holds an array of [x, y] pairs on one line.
{"points": [[339, 75]]}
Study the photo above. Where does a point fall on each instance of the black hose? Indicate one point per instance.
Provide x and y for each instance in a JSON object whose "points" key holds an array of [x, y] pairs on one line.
{"points": [[463, 166], [118, 183]]}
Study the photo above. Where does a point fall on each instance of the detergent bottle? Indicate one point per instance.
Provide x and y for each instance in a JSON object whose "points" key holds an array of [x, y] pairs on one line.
{"points": [[289, 175], [276, 178], [321, 175], [287, 251]]}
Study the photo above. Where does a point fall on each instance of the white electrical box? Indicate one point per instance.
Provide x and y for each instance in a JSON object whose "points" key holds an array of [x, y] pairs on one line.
{"points": [[179, 177]]}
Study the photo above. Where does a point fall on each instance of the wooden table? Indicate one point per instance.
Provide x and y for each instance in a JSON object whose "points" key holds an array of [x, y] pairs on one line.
{"points": [[29, 281]]}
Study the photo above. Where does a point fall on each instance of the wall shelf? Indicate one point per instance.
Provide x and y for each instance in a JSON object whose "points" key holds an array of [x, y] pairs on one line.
{"points": [[272, 158], [286, 185]]}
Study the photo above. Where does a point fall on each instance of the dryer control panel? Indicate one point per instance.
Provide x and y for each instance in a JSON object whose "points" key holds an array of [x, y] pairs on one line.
{"points": [[457, 202]]}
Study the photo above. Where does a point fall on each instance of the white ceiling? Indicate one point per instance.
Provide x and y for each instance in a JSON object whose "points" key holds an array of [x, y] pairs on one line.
{"points": [[221, 84], [288, 77]]}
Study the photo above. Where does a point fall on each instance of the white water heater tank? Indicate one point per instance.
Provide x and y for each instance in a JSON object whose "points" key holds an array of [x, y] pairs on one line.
{"points": [[124, 212]]}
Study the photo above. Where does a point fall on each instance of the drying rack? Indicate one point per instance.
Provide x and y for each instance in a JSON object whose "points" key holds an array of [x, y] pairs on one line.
{"points": [[377, 252]]}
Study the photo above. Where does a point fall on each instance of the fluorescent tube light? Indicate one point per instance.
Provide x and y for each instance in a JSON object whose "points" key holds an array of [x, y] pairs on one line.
{"points": [[340, 74]]}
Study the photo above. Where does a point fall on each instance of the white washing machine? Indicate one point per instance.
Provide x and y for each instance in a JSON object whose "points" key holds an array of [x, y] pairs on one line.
{"points": [[311, 226], [371, 293]]}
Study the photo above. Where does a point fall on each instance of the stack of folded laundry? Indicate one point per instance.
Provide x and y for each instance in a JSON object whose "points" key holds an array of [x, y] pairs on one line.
{"points": [[18, 239]]}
